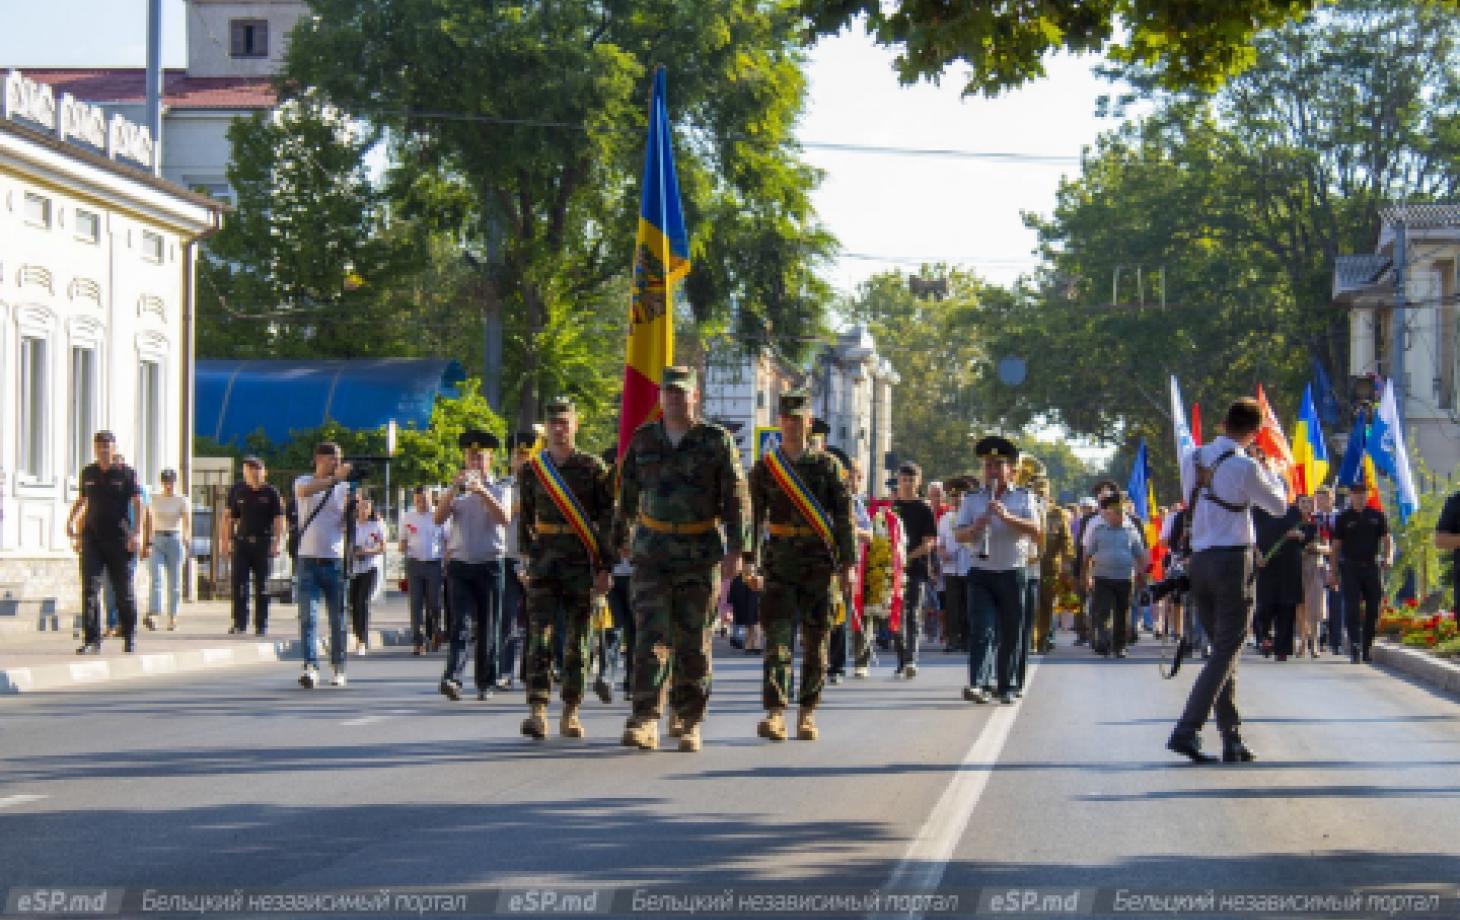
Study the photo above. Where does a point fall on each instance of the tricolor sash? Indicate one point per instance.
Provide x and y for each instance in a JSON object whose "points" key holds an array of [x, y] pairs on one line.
{"points": [[568, 504], [801, 497]]}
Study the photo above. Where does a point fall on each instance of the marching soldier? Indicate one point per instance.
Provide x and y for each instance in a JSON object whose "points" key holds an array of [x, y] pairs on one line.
{"points": [[681, 483], [798, 495], [567, 508], [1053, 558]]}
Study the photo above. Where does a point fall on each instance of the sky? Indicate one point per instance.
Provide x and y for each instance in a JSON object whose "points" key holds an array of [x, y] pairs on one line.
{"points": [[889, 210]]}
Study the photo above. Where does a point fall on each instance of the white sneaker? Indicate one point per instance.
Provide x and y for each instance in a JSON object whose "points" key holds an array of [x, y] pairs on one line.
{"points": [[362, 650], [859, 672], [338, 680], [309, 679]]}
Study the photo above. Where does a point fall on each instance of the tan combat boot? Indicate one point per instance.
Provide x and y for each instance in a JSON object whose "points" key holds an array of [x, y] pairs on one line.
{"points": [[689, 738], [643, 735], [535, 725], [676, 726], [806, 724], [773, 726], [571, 726]]}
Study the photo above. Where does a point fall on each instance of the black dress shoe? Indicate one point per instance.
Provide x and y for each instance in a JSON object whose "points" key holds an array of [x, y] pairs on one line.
{"points": [[1234, 751], [451, 690], [1189, 746]]}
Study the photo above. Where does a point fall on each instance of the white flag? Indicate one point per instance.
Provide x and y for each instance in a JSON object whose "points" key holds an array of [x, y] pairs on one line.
{"points": [[1184, 440], [1386, 447]]}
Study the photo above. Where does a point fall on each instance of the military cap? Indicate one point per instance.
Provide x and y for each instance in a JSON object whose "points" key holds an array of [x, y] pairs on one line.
{"points": [[475, 439], [560, 405], [680, 377], [819, 426], [610, 455], [1104, 486], [841, 456], [996, 446], [795, 402], [956, 485], [522, 440]]}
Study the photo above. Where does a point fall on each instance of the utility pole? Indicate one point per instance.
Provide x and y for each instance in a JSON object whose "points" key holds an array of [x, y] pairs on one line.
{"points": [[1396, 319], [154, 81]]}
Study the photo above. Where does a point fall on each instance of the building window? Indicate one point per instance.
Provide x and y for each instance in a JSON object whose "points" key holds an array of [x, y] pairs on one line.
{"points": [[33, 408], [149, 421], [83, 409], [37, 210], [152, 247], [250, 38], [88, 226]]}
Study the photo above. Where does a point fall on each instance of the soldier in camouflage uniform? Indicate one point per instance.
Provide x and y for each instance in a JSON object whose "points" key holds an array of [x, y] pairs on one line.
{"points": [[561, 572], [799, 568], [681, 483], [1054, 558]]}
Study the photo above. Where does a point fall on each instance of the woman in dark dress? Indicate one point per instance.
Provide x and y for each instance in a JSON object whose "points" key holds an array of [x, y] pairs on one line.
{"points": [[1279, 579]]}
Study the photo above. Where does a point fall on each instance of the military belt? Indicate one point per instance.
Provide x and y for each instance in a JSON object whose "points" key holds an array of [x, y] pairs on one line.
{"points": [[687, 528], [551, 530], [790, 530]]}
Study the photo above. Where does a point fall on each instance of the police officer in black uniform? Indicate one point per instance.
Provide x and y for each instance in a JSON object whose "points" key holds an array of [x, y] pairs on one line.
{"points": [[253, 531], [1362, 545], [108, 540]]}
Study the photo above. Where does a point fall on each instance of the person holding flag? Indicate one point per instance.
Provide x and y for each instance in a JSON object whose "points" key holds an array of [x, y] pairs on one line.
{"points": [[802, 540], [1362, 545], [567, 508]]}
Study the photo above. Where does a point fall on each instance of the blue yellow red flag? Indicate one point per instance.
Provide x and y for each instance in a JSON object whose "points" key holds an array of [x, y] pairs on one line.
{"points": [[1310, 453], [661, 262]]}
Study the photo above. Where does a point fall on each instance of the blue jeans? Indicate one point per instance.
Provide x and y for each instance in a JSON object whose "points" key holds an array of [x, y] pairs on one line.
{"points": [[476, 596], [321, 577], [165, 564]]}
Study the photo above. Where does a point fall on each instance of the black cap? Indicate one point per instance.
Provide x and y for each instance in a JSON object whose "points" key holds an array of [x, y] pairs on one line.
{"points": [[253, 461], [819, 426], [996, 446], [476, 439], [610, 455], [524, 439]]}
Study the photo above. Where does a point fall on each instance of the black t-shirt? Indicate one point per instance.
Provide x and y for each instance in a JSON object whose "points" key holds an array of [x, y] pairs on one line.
{"points": [[1449, 522], [254, 510], [109, 493], [1360, 533], [918, 524]]}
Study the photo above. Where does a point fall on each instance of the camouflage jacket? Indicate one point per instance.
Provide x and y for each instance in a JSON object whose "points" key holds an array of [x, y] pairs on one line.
{"points": [[1058, 545], [700, 480], [591, 483], [821, 473]]}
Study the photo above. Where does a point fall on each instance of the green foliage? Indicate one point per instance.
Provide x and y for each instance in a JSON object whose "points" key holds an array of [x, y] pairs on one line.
{"points": [[1230, 209], [517, 132]]}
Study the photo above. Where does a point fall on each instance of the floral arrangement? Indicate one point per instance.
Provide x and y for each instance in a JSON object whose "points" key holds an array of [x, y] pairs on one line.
{"points": [[1438, 632]]}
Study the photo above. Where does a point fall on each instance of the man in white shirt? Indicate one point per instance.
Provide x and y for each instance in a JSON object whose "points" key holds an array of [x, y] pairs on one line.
{"points": [[323, 498], [998, 522], [1222, 483], [422, 541]]}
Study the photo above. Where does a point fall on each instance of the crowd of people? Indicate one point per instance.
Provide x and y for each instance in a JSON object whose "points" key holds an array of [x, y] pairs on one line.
{"points": [[583, 573]]}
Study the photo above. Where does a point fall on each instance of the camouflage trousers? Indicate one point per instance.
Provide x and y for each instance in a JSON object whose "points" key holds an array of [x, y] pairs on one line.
{"points": [[806, 595], [673, 613], [1044, 614], [566, 589]]}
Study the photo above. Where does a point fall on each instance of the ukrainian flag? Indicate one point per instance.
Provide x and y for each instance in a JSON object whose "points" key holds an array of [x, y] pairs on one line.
{"points": [[1310, 453], [661, 261]]}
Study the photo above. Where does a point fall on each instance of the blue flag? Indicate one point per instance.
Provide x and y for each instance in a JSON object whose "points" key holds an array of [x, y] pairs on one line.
{"points": [[1351, 473], [1139, 486], [1323, 398], [1386, 446]]}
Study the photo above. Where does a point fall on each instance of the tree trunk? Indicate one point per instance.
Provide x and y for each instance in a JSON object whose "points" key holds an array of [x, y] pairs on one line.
{"points": [[527, 388]]}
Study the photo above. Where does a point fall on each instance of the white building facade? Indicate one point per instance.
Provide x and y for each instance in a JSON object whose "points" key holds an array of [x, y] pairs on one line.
{"points": [[96, 319]]}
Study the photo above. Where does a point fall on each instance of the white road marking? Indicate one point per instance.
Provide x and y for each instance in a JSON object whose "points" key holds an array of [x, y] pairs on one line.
{"points": [[6, 801], [378, 717], [923, 864]]}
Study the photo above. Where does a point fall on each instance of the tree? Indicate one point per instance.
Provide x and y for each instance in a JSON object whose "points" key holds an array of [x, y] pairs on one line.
{"points": [[1181, 43], [537, 112]]}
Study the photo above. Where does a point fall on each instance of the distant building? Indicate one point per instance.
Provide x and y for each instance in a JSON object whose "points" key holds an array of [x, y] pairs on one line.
{"points": [[1365, 286], [234, 50], [851, 387], [96, 318]]}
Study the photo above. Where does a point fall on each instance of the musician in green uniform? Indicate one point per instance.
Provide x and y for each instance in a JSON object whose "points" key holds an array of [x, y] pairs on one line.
{"points": [[682, 497], [802, 513], [567, 508]]}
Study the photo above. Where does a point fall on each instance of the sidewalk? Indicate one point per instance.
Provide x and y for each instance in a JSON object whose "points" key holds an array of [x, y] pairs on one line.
{"points": [[31, 662]]}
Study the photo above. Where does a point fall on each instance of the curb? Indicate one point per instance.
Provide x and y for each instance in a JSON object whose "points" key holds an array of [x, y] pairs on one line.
{"points": [[88, 672], [1420, 665]]}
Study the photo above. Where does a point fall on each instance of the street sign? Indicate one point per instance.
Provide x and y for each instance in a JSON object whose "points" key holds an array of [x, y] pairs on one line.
{"points": [[767, 438]]}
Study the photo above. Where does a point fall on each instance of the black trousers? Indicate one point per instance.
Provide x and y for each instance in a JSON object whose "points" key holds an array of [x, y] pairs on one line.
{"points": [[251, 562], [955, 613], [476, 599], [1362, 593], [1110, 611], [362, 587], [1221, 594], [1276, 621], [107, 560]]}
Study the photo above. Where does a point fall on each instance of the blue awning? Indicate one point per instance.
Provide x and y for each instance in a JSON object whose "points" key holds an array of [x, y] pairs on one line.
{"points": [[237, 398]]}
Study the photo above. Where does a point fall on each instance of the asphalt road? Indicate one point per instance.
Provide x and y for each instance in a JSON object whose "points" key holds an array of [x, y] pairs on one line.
{"points": [[244, 779]]}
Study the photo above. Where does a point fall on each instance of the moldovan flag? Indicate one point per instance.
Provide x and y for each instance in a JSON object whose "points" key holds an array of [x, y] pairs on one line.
{"points": [[1270, 439], [1357, 469], [661, 261], [1309, 452]]}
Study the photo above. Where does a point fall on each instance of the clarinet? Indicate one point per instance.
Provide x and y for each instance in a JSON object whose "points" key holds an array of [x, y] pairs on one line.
{"points": [[983, 546]]}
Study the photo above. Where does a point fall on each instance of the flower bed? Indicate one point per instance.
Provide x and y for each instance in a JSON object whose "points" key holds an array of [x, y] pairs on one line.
{"points": [[1439, 633]]}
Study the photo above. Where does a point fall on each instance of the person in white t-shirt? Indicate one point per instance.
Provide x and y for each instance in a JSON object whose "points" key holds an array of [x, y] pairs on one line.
{"points": [[369, 559], [165, 549], [322, 498], [422, 542]]}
